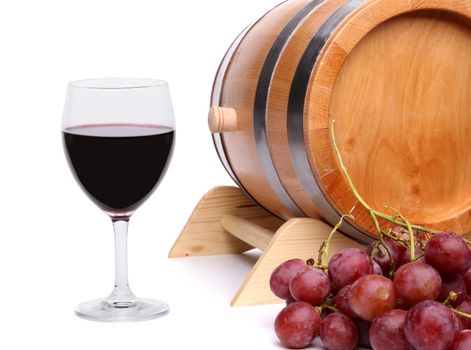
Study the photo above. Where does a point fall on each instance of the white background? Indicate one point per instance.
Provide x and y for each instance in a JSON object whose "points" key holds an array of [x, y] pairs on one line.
{"points": [[56, 247]]}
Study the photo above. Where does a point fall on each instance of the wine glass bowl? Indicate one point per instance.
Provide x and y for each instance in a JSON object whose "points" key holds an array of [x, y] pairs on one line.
{"points": [[118, 165], [118, 137]]}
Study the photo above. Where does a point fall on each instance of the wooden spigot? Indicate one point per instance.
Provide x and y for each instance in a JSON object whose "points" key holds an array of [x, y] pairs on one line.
{"points": [[222, 119]]}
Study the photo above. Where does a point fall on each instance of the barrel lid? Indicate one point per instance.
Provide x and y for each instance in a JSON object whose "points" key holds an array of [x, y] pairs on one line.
{"points": [[396, 78]]}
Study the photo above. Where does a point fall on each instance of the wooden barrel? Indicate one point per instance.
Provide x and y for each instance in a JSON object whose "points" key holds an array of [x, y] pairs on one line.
{"points": [[396, 77]]}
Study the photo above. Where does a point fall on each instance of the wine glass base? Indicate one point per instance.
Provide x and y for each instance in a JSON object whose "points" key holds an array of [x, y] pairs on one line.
{"points": [[102, 310]]}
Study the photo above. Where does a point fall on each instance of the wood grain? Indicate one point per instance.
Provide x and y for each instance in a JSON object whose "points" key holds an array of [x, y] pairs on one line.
{"points": [[404, 136], [225, 213], [222, 119], [396, 77], [203, 233], [247, 231], [298, 238], [277, 107], [238, 92]]}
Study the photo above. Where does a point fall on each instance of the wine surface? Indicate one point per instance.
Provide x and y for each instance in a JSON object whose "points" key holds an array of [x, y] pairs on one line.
{"points": [[118, 165]]}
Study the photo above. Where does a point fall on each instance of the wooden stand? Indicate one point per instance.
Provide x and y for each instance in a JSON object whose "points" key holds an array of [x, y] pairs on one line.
{"points": [[227, 221]]}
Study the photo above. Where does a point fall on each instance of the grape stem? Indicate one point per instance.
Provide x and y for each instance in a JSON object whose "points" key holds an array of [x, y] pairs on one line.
{"points": [[330, 307], [323, 257], [401, 241], [311, 262], [409, 229], [452, 296], [374, 214], [460, 313], [383, 243], [419, 257]]}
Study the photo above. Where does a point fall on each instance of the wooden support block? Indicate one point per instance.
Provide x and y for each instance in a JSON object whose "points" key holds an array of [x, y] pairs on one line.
{"points": [[247, 231], [227, 221], [203, 233], [297, 238]]}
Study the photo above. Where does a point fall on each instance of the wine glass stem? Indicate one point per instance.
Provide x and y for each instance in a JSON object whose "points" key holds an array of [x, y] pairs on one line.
{"points": [[121, 292]]}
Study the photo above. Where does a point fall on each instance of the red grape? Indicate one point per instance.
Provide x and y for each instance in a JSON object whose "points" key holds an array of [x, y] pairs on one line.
{"points": [[448, 253], [453, 284], [387, 331], [381, 255], [341, 301], [311, 285], [347, 265], [338, 332], [415, 282], [465, 307], [281, 276], [429, 325], [372, 295], [400, 232], [377, 269], [462, 341], [297, 325], [467, 280]]}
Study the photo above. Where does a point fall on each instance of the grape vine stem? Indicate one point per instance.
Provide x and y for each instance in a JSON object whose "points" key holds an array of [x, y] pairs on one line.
{"points": [[323, 256], [452, 296], [328, 307], [460, 313], [409, 230], [375, 214]]}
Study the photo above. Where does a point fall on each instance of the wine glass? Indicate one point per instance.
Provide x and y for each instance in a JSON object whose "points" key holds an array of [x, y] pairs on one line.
{"points": [[118, 137]]}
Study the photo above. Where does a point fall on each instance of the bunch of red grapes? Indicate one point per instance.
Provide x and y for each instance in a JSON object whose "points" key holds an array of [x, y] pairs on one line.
{"points": [[386, 297]]}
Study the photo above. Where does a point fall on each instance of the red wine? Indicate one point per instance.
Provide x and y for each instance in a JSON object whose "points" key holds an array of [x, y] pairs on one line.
{"points": [[118, 165]]}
